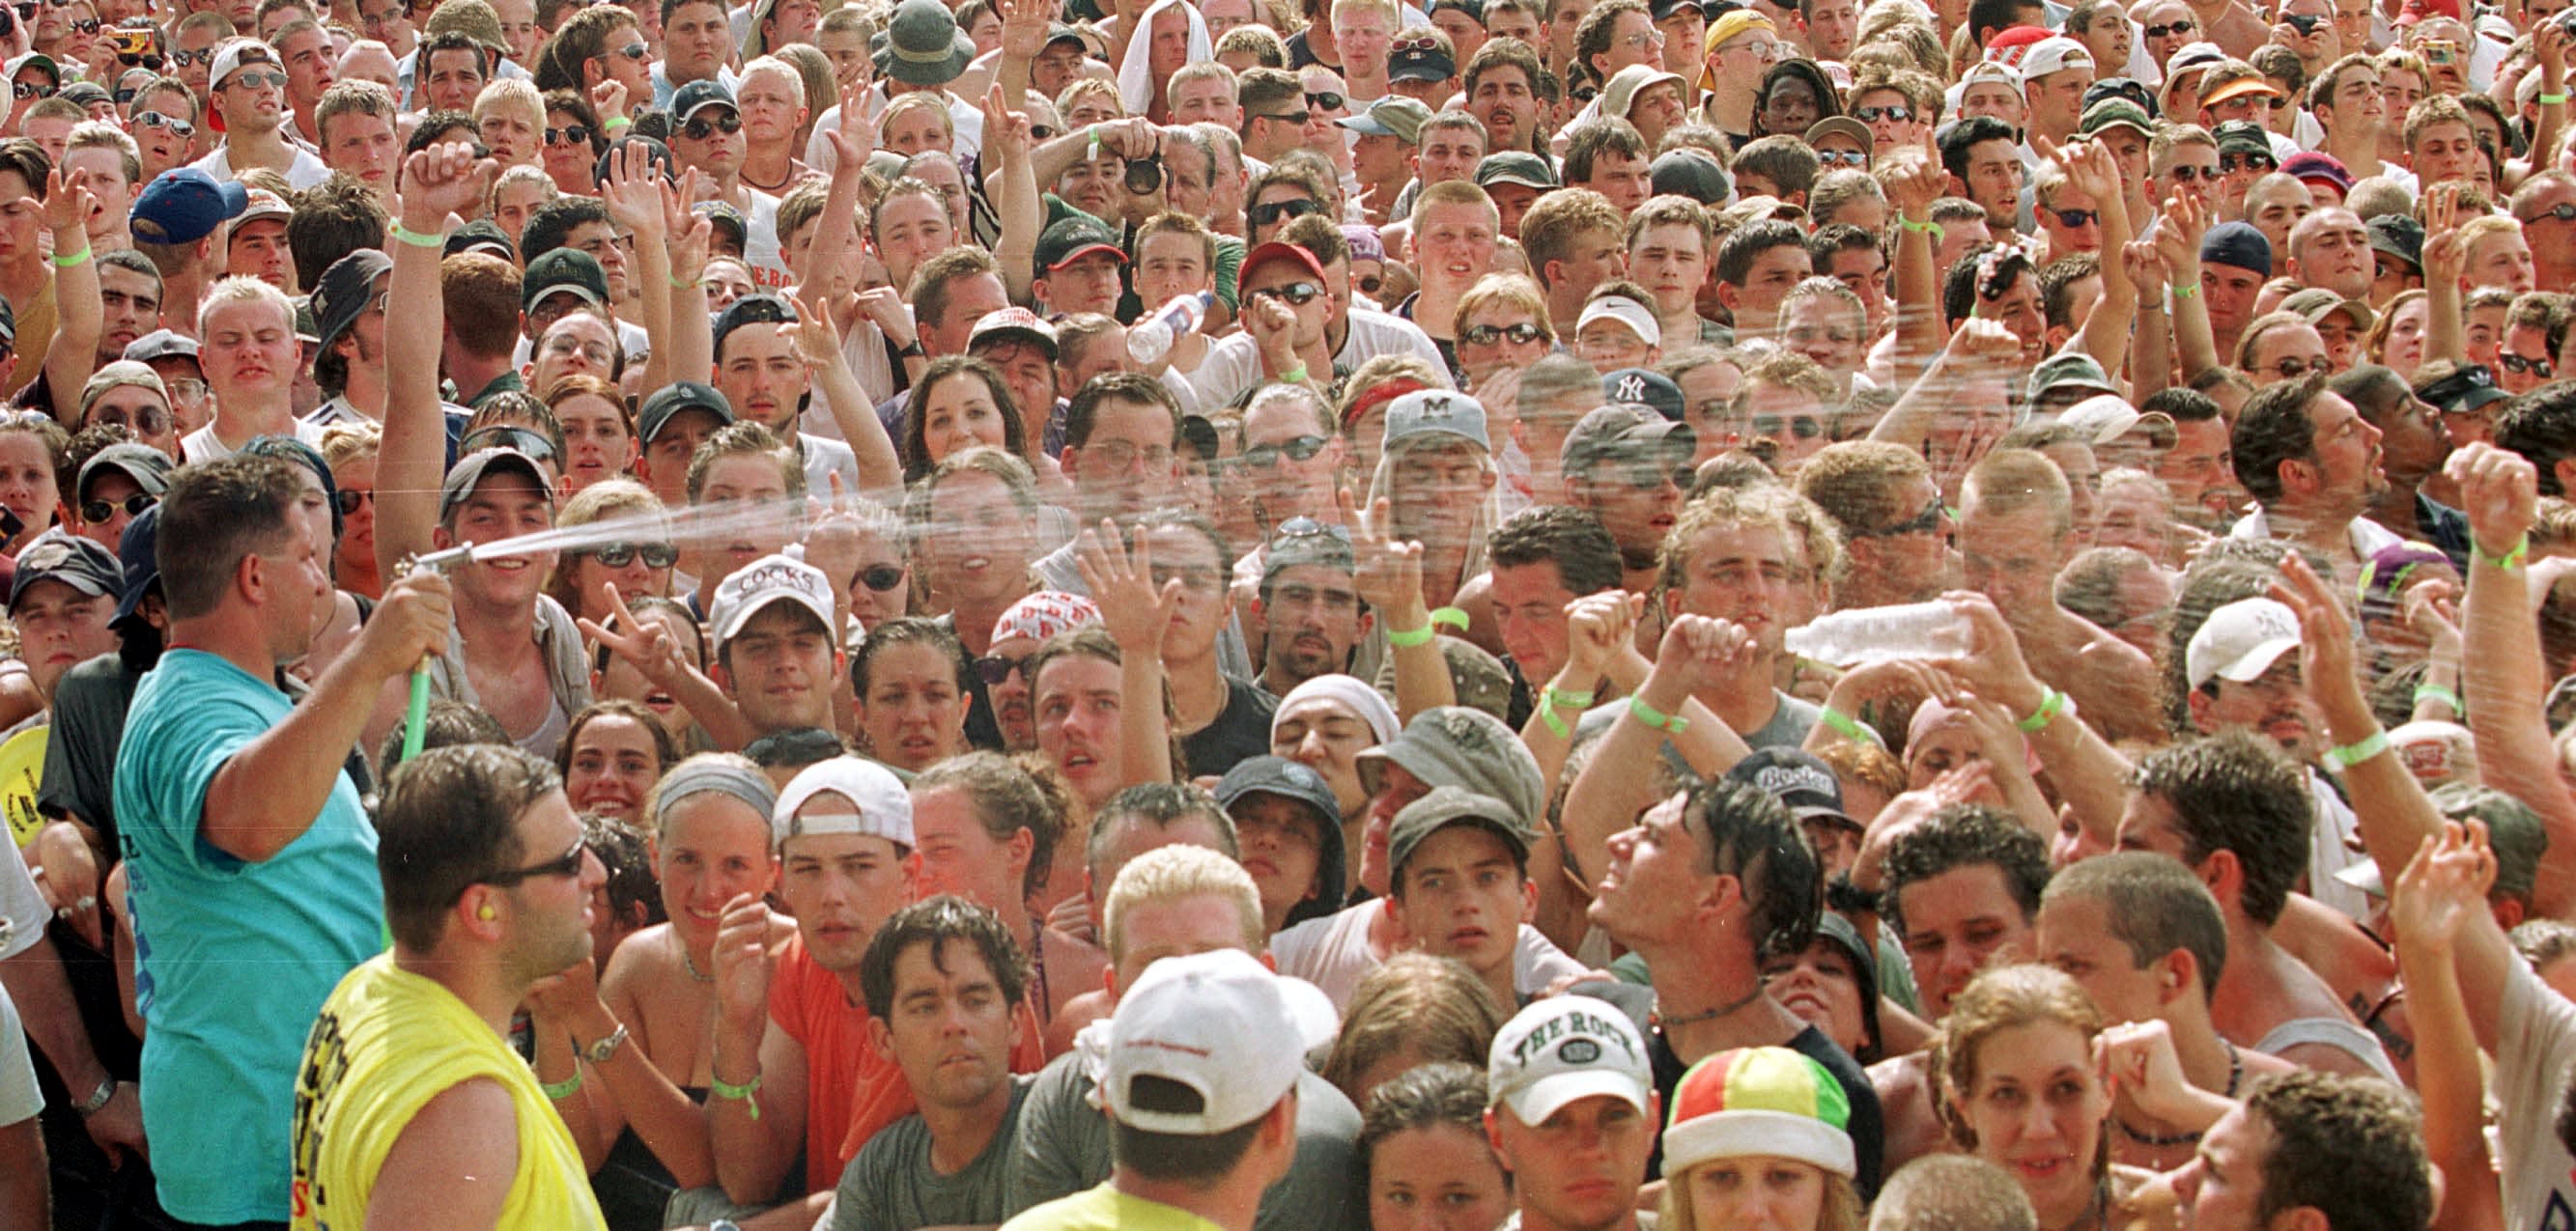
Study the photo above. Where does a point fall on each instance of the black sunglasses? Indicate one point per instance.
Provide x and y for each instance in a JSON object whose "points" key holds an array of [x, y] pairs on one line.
{"points": [[1925, 522], [203, 55], [619, 555], [2512, 363], [1282, 211], [148, 420], [881, 577], [2228, 163], [1898, 112], [567, 864], [2072, 218], [1804, 427], [97, 511], [1264, 457], [1295, 294], [1521, 334], [576, 134], [2183, 26], [1325, 99], [27, 89], [701, 129], [996, 669], [2186, 173], [349, 498]]}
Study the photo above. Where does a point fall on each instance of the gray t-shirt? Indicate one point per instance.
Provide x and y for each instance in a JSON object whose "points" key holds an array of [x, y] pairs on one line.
{"points": [[891, 1186], [1064, 1149]]}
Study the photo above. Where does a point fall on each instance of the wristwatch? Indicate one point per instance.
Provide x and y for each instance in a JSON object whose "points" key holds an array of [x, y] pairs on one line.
{"points": [[98, 1098], [599, 1052]]}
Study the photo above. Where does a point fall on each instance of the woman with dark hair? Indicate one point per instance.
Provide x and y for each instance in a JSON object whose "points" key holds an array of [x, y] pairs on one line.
{"points": [[613, 752], [909, 686], [573, 143], [1424, 1162], [1794, 95], [960, 401]]}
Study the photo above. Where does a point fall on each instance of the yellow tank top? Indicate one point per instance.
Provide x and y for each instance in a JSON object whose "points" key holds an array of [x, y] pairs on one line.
{"points": [[385, 1043]]}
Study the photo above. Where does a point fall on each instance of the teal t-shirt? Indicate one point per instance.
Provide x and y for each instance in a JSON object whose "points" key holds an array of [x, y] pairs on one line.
{"points": [[232, 959]]}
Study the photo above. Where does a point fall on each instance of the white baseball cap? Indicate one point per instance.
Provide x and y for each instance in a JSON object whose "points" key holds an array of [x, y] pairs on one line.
{"points": [[1220, 1026], [1565, 1048], [1636, 316], [769, 579], [2051, 54], [2240, 641], [883, 808], [2101, 418]]}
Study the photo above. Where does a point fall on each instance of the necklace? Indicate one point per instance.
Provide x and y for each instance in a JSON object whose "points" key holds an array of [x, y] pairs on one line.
{"points": [[2164, 1141], [1706, 1015], [690, 964]]}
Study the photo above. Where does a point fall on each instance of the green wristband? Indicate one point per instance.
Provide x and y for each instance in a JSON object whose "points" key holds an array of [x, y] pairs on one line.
{"points": [[562, 1089], [2049, 707], [2510, 560], [1842, 722], [2349, 755], [1669, 724], [417, 239], [2435, 692], [2186, 290], [1411, 637], [1451, 617], [78, 258], [744, 1092]]}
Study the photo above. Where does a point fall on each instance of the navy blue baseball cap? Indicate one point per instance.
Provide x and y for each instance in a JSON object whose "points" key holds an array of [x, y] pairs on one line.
{"points": [[184, 205]]}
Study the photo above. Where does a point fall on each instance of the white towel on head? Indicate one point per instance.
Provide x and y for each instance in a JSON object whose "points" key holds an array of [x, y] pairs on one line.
{"points": [[1136, 83]]}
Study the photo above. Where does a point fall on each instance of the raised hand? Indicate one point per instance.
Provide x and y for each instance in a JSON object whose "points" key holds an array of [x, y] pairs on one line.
{"points": [[609, 99], [2178, 238], [2146, 267], [2091, 168], [568, 995], [648, 647], [1389, 570], [2500, 491], [1994, 667], [1598, 627], [742, 961], [67, 205], [1700, 653], [1121, 580], [633, 194], [2325, 633], [2446, 258], [1006, 131], [441, 180], [1916, 180], [2138, 1059], [2446, 881], [1024, 30]]}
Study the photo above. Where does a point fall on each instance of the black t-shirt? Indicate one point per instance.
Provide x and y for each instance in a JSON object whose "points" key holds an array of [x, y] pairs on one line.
{"points": [[1868, 1125], [1240, 731]]}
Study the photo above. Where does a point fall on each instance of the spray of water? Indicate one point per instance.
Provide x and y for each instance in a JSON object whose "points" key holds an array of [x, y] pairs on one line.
{"points": [[781, 519]]}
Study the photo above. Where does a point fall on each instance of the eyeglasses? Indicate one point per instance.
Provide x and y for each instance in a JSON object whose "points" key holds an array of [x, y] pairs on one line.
{"points": [[1120, 454], [348, 500], [2517, 364], [619, 555], [1266, 457], [1324, 100], [2562, 211], [1847, 158], [177, 127], [1644, 39], [1803, 427], [2292, 367], [2187, 172], [567, 864], [1295, 294], [1586, 93], [575, 134], [504, 436], [1926, 522], [1521, 334], [635, 51], [96, 512], [881, 577], [142, 420], [2228, 163], [701, 129], [2073, 218], [186, 389], [257, 80], [1761, 51], [203, 55], [84, 25], [2183, 26], [998, 668], [1296, 118], [29, 89], [1898, 112]]}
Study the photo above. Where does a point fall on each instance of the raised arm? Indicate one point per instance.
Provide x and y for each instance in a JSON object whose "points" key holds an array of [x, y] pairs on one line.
{"points": [[412, 461], [633, 194], [2092, 170], [1011, 182], [2178, 242], [2440, 896], [1621, 778], [2151, 343], [1913, 183], [2499, 490], [2090, 775], [75, 217], [1136, 613], [1389, 580], [2446, 263]]}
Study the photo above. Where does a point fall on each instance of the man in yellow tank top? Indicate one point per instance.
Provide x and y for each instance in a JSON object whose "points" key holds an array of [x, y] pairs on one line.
{"points": [[410, 1108]]}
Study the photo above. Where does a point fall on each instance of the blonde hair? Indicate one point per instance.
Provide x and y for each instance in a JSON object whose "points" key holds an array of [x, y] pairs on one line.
{"points": [[774, 64], [1169, 873], [601, 501], [1510, 291], [511, 94], [1841, 1210], [521, 173], [239, 290], [343, 443]]}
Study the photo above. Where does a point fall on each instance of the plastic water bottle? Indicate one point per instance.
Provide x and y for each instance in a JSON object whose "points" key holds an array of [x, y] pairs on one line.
{"points": [[1879, 634], [1150, 339]]}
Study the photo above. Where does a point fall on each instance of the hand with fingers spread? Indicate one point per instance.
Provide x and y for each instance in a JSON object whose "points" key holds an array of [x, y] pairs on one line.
{"points": [[649, 647], [633, 194], [1024, 28], [2440, 888], [2325, 644], [1121, 580], [1389, 570]]}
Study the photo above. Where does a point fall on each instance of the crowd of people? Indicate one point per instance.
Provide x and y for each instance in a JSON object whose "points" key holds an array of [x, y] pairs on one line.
{"points": [[1564, 614]]}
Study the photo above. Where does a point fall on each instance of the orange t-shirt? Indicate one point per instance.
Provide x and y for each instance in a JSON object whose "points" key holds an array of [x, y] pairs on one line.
{"points": [[851, 1093]]}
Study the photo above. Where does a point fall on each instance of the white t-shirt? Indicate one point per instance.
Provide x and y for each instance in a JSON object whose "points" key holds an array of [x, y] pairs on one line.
{"points": [[307, 171], [22, 911], [2536, 1033], [203, 445], [1233, 364], [1333, 953]]}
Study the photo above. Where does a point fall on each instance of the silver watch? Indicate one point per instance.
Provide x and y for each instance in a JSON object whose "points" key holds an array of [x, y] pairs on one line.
{"points": [[599, 1052]]}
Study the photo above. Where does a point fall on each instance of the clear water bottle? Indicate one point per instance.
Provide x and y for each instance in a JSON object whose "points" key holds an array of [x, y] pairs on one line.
{"points": [[1150, 339], [1878, 634]]}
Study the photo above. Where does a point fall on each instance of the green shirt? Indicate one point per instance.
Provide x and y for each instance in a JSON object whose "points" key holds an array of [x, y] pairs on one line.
{"points": [[1107, 1209]]}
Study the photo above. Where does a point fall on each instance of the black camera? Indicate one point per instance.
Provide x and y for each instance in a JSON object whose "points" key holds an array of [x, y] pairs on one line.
{"points": [[2304, 23], [1145, 175]]}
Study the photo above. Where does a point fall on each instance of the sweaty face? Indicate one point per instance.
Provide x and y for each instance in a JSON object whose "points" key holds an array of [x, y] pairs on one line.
{"points": [[1958, 923]]}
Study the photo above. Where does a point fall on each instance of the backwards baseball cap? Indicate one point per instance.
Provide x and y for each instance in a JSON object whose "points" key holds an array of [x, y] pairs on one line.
{"points": [[1290, 780], [2242, 136], [2051, 54], [1429, 412], [1013, 322], [2240, 641], [1446, 806], [759, 308], [1636, 316], [346, 289], [2467, 388], [1208, 1042], [840, 795], [1690, 173], [234, 55], [1067, 240], [2115, 112], [1453, 745], [570, 271], [668, 401], [2237, 244], [1565, 1048], [1801, 782], [1769, 1101], [470, 470], [183, 205], [2314, 167], [70, 559], [763, 583], [2398, 235], [1625, 431]]}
